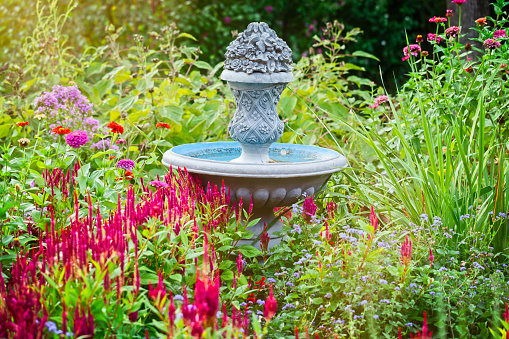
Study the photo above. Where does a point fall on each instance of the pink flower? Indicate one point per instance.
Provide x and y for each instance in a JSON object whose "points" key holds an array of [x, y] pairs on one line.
{"points": [[240, 264], [414, 50], [448, 13], [499, 34], [406, 251], [159, 292], [459, 2], [452, 31], [76, 139], [375, 105], [372, 216], [269, 9], [437, 19], [308, 209], [491, 44], [227, 20], [434, 37], [380, 100], [270, 305], [431, 257], [158, 184]]}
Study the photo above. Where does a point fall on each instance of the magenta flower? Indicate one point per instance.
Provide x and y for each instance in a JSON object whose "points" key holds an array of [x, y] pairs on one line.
{"points": [[270, 305], [158, 292], [437, 19], [431, 257], [452, 31], [459, 2], [121, 141], [308, 208], [372, 216], [126, 164], [434, 37], [499, 34], [227, 20], [491, 44], [240, 264], [413, 49], [76, 139], [448, 13], [158, 184], [381, 99], [269, 9]]}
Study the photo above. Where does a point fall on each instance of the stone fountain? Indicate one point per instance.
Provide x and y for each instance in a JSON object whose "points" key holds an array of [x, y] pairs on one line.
{"points": [[258, 67]]}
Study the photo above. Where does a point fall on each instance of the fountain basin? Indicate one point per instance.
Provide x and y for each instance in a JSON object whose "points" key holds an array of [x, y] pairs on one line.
{"points": [[296, 170]]}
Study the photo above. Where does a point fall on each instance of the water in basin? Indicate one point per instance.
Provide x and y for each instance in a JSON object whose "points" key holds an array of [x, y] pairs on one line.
{"points": [[280, 153]]}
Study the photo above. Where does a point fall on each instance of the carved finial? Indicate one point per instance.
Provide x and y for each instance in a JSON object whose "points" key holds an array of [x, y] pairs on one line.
{"points": [[258, 50]]}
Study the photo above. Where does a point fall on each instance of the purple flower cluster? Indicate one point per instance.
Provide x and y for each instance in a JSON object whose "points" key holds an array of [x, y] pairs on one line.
{"points": [[126, 164], [104, 144], [76, 139], [491, 44], [66, 106]]}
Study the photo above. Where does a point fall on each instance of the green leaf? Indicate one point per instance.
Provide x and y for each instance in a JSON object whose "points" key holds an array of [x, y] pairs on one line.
{"points": [[227, 275], [187, 35], [203, 65], [174, 113], [126, 103], [287, 105], [364, 55], [249, 251], [104, 86]]}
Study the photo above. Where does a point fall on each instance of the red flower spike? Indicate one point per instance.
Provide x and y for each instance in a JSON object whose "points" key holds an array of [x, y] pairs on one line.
{"points": [[270, 305], [307, 332], [21, 124], [240, 264], [399, 332], [373, 219], [506, 314], [431, 257], [296, 333]]}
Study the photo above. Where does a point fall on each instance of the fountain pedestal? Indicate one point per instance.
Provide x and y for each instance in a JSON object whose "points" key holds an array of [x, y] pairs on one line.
{"points": [[258, 67]]}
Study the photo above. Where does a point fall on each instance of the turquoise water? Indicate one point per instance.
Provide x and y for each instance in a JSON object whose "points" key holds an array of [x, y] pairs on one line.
{"points": [[227, 151]]}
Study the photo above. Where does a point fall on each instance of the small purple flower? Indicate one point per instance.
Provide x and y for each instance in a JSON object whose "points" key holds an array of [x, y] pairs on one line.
{"points": [[227, 20], [269, 9], [76, 139], [157, 183], [126, 164], [499, 34], [491, 44], [376, 316]]}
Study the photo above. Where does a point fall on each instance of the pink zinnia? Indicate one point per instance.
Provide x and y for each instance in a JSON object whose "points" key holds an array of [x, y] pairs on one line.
{"points": [[448, 13], [126, 164], [411, 50], [434, 37], [459, 2], [381, 99], [158, 184], [452, 31], [76, 139], [491, 44], [499, 34], [437, 19]]}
